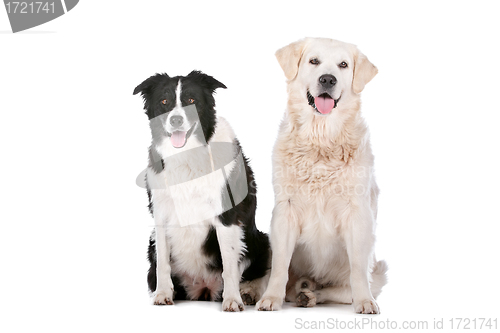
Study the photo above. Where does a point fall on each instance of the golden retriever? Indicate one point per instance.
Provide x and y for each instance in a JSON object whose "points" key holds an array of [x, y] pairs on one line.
{"points": [[323, 224]]}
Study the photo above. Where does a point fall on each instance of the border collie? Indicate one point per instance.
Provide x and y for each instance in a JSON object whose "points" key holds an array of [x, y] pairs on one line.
{"points": [[202, 196]]}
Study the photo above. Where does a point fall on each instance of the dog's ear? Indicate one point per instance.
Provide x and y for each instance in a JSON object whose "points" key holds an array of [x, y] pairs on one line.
{"points": [[205, 80], [364, 72], [147, 84], [289, 58]]}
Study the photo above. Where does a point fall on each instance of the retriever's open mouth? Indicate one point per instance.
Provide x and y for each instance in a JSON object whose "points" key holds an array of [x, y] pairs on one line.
{"points": [[324, 103], [179, 138]]}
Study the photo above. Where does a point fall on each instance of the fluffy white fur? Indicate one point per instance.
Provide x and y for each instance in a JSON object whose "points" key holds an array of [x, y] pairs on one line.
{"points": [[323, 224]]}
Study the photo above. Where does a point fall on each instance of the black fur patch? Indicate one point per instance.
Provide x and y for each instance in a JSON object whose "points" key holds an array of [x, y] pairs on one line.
{"points": [[212, 250]]}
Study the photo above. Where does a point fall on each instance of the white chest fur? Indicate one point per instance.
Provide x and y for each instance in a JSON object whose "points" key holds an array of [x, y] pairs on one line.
{"points": [[187, 198]]}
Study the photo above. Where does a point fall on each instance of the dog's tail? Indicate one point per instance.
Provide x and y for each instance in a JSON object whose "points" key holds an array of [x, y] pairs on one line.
{"points": [[379, 277]]}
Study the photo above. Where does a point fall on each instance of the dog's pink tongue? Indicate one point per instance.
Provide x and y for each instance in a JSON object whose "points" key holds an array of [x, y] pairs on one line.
{"points": [[178, 139], [324, 104]]}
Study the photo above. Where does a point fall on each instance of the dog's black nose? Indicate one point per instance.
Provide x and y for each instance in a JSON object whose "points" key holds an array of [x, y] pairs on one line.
{"points": [[176, 121], [327, 80]]}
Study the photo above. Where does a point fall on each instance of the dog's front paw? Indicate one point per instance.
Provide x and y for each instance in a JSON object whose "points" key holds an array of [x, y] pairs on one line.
{"points": [[269, 303], [232, 304], [163, 298], [366, 306]]}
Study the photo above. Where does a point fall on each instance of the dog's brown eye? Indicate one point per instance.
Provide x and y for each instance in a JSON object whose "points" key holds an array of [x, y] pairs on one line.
{"points": [[314, 61], [343, 64], [164, 102], [191, 101]]}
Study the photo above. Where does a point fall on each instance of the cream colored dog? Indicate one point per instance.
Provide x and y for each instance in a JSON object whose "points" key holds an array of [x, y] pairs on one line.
{"points": [[323, 224]]}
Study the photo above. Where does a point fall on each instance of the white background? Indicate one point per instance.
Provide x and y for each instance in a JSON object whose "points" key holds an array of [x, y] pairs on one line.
{"points": [[75, 227]]}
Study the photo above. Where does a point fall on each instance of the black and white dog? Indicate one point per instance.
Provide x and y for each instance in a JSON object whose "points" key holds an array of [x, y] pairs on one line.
{"points": [[202, 196]]}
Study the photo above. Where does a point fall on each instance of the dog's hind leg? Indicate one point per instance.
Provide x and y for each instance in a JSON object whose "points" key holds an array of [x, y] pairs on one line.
{"points": [[306, 294], [305, 291], [337, 294], [343, 294], [152, 262]]}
